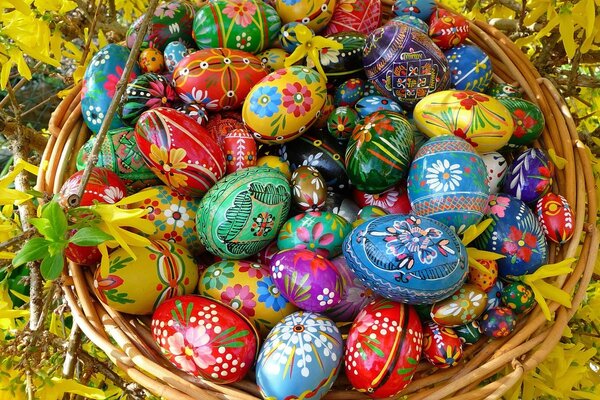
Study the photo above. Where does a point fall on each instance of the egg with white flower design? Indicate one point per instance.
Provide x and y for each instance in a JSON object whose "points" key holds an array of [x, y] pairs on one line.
{"points": [[309, 190], [300, 358], [104, 186], [463, 306]]}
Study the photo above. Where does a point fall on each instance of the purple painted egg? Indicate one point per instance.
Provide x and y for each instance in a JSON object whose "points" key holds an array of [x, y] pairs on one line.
{"points": [[498, 322], [306, 279], [529, 177], [556, 216]]}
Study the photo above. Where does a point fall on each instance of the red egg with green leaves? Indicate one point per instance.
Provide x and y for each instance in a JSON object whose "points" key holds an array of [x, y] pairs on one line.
{"points": [[383, 348]]}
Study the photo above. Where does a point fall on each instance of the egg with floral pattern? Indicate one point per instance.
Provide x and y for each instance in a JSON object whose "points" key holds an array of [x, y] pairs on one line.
{"points": [[354, 16], [463, 306], [145, 92], [273, 59], [300, 358], [341, 122], [104, 186], [498, 322], [529, 176], [494, 295], [174, 52], [470, 67], [496, 167], [485, 281], [369, 104], [204, 338], [421, 9], [348, 92], [240, 150], [442, 347], [315, 14], [309, 191], [556, 217], [518, 296], [447, 29], [394, 200], [246, 287], [339, 64], [468, 333], [528, 119], [383, 348], [284, 104], [158, 272]]}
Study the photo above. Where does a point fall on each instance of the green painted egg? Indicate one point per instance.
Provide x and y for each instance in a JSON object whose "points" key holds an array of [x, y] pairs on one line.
{"points": [[341, 122], [243, 212], [468, 333], [379, 152], [518, 296], [528, 119], [464, 306]]}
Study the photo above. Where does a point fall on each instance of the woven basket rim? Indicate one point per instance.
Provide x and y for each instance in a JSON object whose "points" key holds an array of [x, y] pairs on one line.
{"points": [[127, 340]]}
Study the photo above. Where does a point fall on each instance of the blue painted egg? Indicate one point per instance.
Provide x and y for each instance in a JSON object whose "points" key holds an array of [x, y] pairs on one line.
{"points": [[99, 85], [419, 8], [470, 67], [447, 182], [413, 21], [495, 295], [407, 258], [349, 92], [516, 233], [529, 176], [288, 38], [369, 104], [300, 358], [174, 52]]}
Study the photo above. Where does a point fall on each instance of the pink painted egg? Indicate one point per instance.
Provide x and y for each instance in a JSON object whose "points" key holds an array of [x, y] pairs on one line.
{"points": [[383, 348], [442, 347], [179, 151], [556, 217], [240, 150], [447, 29], [205, 338], [354, 15], [218, 78], [104, 186]]}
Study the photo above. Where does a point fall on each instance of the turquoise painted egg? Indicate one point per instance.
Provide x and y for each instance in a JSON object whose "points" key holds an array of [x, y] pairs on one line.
{"points": [[518, 296], [379, 151], [498, 322], [470, 67], [308, 280], [528, 119], [529, 176], [342, 122], [273, 59], [495, 295], [447, 182], [248, 25], [468, 333], [369, 104], [300, 358], [243, 212], [413, 21], [284, 104], [516, 233], [99, 85], [320, 231], [463, 306], [340, 63], [442, 347], [496, 167], [315, 14], [421, 9], [174, 52], [407, 258], [288, 37], [145, 92], [348, 93]]}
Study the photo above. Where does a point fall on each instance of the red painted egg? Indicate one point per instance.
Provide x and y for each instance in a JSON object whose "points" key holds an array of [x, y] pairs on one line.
{"points": [[354, 15], [441, 346], [179, 151], [240, 150], [394, 200], [383, 348], [104, 186], [218, 78], [556, 216], [83, 255], [220, 124], [447, 29], [205, 338]]}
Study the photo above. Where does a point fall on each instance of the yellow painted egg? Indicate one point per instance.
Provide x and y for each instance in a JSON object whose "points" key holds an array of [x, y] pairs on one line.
{"points": [[160, 271], [480, 119], [284, 104], [152, 60], [315, 14], [275, 163]]}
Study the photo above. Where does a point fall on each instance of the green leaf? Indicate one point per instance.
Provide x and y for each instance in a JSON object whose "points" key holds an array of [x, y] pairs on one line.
{"points": [[34, 249], [58, 220], [43, 226], [90, 236], [52, 266]]}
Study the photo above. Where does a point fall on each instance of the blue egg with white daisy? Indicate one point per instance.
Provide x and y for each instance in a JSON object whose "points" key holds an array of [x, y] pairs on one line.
{"points": [[369, 104], [470, 67]]}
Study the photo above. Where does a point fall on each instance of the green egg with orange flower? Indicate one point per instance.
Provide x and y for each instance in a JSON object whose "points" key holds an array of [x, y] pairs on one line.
{"points": [[528, 119], [518, 296]]}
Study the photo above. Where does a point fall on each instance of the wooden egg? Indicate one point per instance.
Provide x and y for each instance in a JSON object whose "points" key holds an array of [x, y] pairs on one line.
{"points": [[528, 119], [421, 9], [496, 167], [498, 322], [470, 67], [309, 190], [495, 295], [442, 347], [315, 14], [145, 92], [349, 92], [484, 281], [104, 186], [369, 104], [205, 338], [447, 29], [240, 150], [82, 255], [556, 217], [393, 201], [179, 151], [160, 271], [341, 122], [519, 297], [349, 16], [383, 348], [529, 176], [463, 306], [151, 60]]}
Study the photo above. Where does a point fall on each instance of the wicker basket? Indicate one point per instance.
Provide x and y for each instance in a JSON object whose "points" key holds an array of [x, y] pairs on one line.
{"points": [[498, 363]]}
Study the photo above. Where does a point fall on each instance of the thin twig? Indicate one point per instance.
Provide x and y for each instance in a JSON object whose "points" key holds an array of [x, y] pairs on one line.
{"points": [[19, 85], [17, 239]]}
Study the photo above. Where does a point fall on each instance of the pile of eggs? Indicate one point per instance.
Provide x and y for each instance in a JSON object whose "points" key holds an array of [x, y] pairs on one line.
{"points": [[288, 204]]}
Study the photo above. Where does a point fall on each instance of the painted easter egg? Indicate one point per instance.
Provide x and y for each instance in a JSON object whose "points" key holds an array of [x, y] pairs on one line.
{"points": [[82, 255], [248, 25], [273, 59], [315, 14], [309, 191], [151, 60], [413, 21], [383, 348], [421, 9], [179, 151], [454, 112], [470, 67], [145, 92], [158, 272], [320, 231], [99, 85], [220, 79], [355, 295], [463, 306], [516, 233], [243, 212], [442, 347], [308, 280], [205, 338], [285, 104], [347, 61], [246, 287], [195, 111], [240, 150], [528, 119], [368, 213], [173, 215], [342, 122], [369, 104], [485, 281], [518, 296], [379, 151], [220, 124], [495, 295], [447, 182], [275, 163], [104, 186], [349, 92], [498, 322], [529, 176], [406, 258], [120, 154], [404, 63], [496, 167], [326, 111], [502, 89], [468, 333], [171, 22], [300, 358], [342, 206], [556, 217], [174, 52], [447, 29], [360, 16], [393, 201]]}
